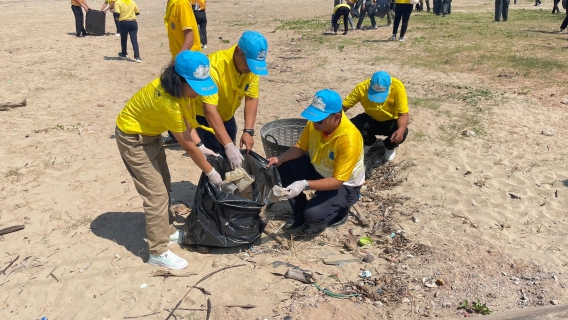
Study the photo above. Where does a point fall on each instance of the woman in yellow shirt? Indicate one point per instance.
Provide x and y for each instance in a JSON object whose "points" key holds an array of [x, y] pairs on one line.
{"points": [[109, 5], [163, 105], [402, 11], [127, 11]]}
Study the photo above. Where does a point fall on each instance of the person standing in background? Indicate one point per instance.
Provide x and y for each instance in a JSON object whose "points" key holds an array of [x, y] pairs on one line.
{"points": [[109, 5], [555, 8], [501, 9], [183, 34], [201, 20], [402, 11], [76, 6], [365, 5], [128, 10]]}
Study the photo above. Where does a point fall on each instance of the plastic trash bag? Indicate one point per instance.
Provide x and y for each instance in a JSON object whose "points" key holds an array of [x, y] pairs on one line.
{"points": [[222, 219]]}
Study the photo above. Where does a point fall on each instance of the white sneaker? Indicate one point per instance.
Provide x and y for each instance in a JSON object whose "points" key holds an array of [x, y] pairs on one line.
{"points": [[390, 154], [138, 60], [204, 46], [169, 260], [117, 35], [177, 237], [393, 37], [401, 39]]}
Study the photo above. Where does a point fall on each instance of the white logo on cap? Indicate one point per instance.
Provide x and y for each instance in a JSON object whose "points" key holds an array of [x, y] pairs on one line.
{"points": [[378, 88], [202, 72], [318, 103], [261, 55]]}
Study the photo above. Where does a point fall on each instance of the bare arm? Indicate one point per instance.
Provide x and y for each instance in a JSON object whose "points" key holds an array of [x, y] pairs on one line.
{"points": [[251, 108], [85, 5], [184, 139], [188, 43], [324, 184], [290, 154], [402, 123], [215, 121]]}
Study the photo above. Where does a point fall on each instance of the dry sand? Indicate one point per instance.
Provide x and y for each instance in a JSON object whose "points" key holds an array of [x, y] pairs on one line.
{"points": [[63, 179]]}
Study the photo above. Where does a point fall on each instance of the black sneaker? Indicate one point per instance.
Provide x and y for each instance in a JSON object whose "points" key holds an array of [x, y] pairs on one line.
{"points": [[122, 56], [309, 229], [294, 222], [339, 220], [169, 140]]}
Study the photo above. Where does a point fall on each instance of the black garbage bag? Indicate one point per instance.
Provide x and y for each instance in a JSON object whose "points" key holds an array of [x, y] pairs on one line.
{"points": [[382, 7], [223, 219]]}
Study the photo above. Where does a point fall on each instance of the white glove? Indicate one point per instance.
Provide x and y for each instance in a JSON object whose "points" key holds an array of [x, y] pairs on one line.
{"points": [[296, 188], [206, 151], [234, 155], [214, 177]]}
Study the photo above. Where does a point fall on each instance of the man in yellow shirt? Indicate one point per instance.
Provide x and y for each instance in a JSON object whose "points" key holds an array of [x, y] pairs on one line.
{"points": [[334, 166], [76, 6], [236, 73], [182, 27], [386, 111]]}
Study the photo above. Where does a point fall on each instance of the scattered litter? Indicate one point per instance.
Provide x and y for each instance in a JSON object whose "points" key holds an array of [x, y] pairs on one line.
{"points": [[240, 177], [336, 295], [468, 133], [85, 268], [363, 241], [302, 276], [365, 274], [117, 256], [277, 193], [368, 258], [514, 196], [547, 132], [340, 259], [142, 286]]}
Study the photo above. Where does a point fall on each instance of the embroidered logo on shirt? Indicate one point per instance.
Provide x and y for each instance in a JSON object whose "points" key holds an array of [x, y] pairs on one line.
{"points": [[202, 72], [318, 103], [247, 87], [173, 25], [378, 88], [261, 55], [331, 155]]}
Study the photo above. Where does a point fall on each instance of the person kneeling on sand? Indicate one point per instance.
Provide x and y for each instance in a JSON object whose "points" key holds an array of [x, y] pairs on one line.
{"points": [[333, 167], [160, 106], [386, 111]]}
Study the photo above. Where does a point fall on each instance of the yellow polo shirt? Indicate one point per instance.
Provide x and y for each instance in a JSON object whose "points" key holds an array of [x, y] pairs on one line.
{"points": [[339, 6], [339, 155], [233, 86], [76, 3], [198, 5], [396, 103], [179, 17], [152, 111], [127, 10]]}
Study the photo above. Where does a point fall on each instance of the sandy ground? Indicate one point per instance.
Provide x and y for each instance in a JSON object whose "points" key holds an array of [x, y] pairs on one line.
{"points": [[63, 179]]}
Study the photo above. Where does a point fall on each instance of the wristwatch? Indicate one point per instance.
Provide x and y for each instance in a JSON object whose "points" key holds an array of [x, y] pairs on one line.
{"points": [[199, 144], [249, 131]]}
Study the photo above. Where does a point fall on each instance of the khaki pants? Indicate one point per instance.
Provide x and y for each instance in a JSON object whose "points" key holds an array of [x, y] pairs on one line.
{"points": [[145, 159]]}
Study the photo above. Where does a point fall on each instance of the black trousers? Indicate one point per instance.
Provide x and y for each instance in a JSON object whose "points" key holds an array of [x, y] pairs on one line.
{"points": [[565, 22], [325, 205], [341, 12], [129, 28], [370, 127], [402, 12], [201, 19], [555, 8], [363, 13], [209, 139], [501, 9], [79, 21], [115, 16]]}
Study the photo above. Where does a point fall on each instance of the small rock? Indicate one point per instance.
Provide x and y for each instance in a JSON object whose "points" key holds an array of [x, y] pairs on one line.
{"points": [[287, 318], [467, 173], [389, 250], [454, 288], [524, 297], [440, 282], [504, 273], [369, 258], [447, 304], [554, 277], [457, 168], [547, 132], [512, 265], [414, 219], [405, 300], [468, 133], [378, 304], [514, 279], [514, 196], [554, 302], [436, 294]]}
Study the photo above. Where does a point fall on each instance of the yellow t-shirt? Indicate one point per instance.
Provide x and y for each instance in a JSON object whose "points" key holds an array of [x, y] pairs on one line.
{"points": [[76, 3], [127, 10], [403, 1], [233, 86], [198, 5], [152, 111], [339, 6], [339, 155], [180, 17], [396, 103]]}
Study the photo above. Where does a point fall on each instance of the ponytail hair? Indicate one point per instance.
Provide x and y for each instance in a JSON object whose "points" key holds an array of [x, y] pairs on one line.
{"points": [[171, 81]]}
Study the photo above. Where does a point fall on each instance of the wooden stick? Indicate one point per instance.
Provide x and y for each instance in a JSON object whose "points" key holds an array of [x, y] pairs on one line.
{"points": [[278, 239], [198, 282], [10, 264], [11, 229], [9, 105], [51, 273], [146, 315], [362, 219], [245, 306], [208, 309]]}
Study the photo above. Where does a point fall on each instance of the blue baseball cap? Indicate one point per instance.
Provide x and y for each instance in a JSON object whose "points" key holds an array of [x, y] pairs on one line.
{"points": [[194, 67], [379, 87], [254, 46], [325, 103]]}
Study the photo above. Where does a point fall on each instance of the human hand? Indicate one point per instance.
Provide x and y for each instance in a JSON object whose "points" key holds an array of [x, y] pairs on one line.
{"points": [[214, 177], [397, 136], [234, 156], [273, 161], [247, 140], [295, 189], [207, 152]]}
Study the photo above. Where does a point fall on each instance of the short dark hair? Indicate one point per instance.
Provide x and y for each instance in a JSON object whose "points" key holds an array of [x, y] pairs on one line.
{"points": [[171, 81]]}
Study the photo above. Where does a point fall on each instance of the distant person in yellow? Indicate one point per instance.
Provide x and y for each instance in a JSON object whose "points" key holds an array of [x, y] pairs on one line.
{"points": [[201, 19], [236, 72], [127, 11], [76, 6], [386, 111], [182, 27], [163, 105], [333, 167], [109, 5]]}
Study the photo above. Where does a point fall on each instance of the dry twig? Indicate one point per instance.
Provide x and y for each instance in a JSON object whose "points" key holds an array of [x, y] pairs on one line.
{"points": [[10, 264]]}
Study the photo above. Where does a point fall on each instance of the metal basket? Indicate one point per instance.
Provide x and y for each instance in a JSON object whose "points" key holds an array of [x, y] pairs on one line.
{"points": [[279, 135]]}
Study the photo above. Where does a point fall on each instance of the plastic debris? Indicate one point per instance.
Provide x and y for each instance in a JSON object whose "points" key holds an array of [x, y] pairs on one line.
{"points": [[142, 286], [363, 241], [365, 274]]}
